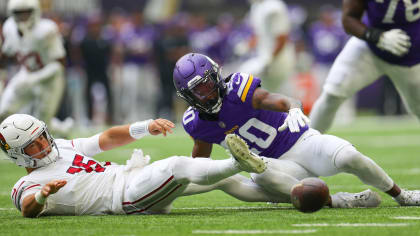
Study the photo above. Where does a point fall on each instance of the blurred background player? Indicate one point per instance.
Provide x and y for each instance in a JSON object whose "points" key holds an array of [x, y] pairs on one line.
{"points": [[327, 38], [274, 53], [386, 42], [36, 44]]}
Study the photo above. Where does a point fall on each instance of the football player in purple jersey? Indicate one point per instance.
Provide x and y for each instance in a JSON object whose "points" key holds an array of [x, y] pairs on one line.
{"points": [[386, 42], [273, 126]]}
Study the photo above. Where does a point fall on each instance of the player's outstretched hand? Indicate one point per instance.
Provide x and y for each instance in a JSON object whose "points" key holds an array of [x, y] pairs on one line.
{"points": [[294, 120], [395, 41], [52, 187], [160, 126]]}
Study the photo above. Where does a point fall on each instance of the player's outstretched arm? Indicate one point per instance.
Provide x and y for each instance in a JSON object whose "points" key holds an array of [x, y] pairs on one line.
{"points": [[33, 204], [121, 135], [262, 99]]}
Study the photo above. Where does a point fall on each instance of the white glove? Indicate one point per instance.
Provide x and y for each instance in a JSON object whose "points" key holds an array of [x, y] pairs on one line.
{"points": [[294, 120], [137, 160], [395, 41]]}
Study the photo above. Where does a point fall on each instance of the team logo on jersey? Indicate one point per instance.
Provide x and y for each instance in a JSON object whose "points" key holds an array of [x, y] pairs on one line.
{"points": [[222, 124], [3, 143]]}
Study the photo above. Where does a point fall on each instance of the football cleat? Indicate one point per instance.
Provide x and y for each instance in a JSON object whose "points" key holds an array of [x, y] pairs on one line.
{"points": [[408, 198], [367, 198], [246, 160]]}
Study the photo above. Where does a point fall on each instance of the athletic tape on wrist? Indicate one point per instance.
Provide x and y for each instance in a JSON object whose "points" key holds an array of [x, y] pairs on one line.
{"points": [[372, 35], [39, 198], [140, 129]]}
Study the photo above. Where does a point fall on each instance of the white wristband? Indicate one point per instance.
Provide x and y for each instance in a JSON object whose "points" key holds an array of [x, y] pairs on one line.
{"points": [[39, 198], [140, 129]]}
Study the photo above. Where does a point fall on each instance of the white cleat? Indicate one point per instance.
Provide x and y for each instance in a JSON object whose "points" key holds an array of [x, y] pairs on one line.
{"points": [[367, 198], [247, 160], [408, 198]]}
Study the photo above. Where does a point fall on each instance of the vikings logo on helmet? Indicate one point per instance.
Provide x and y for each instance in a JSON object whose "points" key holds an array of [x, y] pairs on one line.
{"points": [[198, 81]]}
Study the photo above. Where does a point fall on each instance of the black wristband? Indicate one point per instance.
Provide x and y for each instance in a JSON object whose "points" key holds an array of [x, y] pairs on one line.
{"points": [[372, 35]]}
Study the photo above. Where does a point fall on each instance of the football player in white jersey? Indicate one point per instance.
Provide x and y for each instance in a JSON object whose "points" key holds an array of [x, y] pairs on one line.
{"points": [[63, 179], [36, 44], [275, 55], [385, 42]]}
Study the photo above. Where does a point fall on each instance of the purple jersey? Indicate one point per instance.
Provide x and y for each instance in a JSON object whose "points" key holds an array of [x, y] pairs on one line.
{"points": [[396, 14], [257, 127], [139, 44], [327, 41]]}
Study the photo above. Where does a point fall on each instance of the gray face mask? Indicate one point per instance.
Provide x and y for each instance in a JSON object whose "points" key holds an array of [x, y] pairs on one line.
{"points": [[25, 19]]}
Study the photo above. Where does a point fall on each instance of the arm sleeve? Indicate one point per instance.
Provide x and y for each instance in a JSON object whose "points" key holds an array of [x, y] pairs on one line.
{"points": [[278, 20], [21, 190], [88, 146], [279, 24]]}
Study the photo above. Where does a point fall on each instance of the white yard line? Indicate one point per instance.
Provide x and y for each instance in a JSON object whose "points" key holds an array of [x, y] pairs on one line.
{"points": [[411, 207], [232, 208], [5, 193], [353, 225], [256, 231], [379, 141], [406, 217]]}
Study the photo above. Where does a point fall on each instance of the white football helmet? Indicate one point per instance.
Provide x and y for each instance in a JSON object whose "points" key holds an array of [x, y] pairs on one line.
{"points": [[15, 7], [17, 132]]}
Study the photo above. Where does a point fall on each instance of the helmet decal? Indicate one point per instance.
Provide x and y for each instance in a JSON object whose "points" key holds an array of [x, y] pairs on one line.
{"points": [[198, 81], [20, 130], [3, 143]]}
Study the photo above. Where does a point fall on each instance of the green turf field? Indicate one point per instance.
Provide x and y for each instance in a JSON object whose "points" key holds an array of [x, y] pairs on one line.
{"points": [[394, 144]]}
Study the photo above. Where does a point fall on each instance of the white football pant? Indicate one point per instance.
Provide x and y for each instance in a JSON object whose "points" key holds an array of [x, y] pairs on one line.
{"points": [[316, 155], [355, 68], [313, 155], [152, 189]]}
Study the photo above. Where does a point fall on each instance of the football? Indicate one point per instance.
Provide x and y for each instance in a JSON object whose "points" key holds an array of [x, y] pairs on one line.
{"points": [[310, 195]]}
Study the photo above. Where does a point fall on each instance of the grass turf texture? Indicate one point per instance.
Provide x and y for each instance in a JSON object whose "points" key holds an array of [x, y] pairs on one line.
{"points": [[393, 144]]}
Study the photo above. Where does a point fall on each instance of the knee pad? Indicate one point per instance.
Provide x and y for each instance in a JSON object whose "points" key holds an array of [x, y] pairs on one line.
{"points": [[332, 99], [348, 158]]}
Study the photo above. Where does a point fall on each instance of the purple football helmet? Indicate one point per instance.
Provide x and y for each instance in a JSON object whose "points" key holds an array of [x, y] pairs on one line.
{"points": [[198, 81]]}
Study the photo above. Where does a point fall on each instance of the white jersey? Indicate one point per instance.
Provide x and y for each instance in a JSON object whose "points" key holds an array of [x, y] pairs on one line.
{"points": [[36, 48], [92, 188], [269, 19]]}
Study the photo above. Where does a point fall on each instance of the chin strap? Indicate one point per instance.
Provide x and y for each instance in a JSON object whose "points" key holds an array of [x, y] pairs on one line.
{"points": [[48, 159]]}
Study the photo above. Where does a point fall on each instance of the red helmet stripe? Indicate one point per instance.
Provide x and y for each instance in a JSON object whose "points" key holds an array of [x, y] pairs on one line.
{"points": [[34, 130]]}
